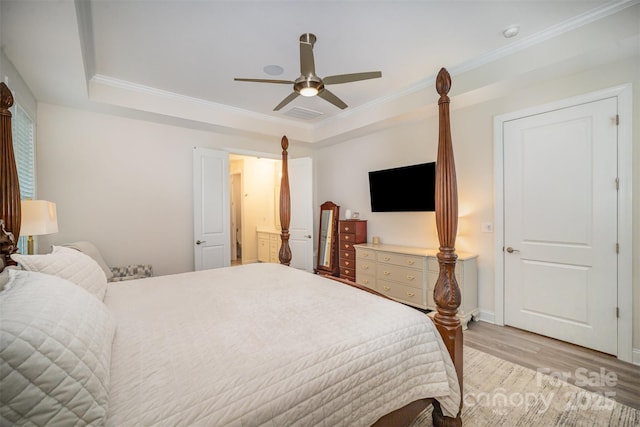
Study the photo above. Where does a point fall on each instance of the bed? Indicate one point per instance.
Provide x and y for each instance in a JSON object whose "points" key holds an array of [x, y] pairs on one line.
{"points": [[259, 344]]}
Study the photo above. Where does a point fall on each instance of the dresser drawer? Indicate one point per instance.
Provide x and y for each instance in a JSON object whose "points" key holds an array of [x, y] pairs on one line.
{"points": [[347, 254], [400, 259], [347, 237], [349, 273], [366, 267], [346, 246], [362, 253], [348, 263], [404, 293], [407, 276], [347, 227], [366, 280]]}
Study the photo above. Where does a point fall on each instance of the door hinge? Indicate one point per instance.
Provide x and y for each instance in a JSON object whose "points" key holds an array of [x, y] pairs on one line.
{"points": [[617, 312], [617, 248], [617, 120], [617, 183]]}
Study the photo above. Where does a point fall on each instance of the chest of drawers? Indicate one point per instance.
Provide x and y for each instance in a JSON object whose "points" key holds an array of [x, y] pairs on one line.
{"points": [[409, 275], [352, 231]]}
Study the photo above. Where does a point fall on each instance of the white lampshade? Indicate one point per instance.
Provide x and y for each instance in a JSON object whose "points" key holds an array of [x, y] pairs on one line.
{"points": [[38, 217]]}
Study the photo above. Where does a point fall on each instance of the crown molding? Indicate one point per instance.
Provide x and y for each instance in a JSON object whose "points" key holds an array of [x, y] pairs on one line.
{"points": [[574, 23], [162, 102], [109, 90]]}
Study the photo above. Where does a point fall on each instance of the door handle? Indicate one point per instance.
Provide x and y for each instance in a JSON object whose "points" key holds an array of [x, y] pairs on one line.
{"points": [[308, 236], [511, 250], [199, 242]]}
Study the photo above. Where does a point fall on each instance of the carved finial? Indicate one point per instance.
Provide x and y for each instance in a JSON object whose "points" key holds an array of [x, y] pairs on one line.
{"points": [[285, 143], [443, 82], [6, 97]]}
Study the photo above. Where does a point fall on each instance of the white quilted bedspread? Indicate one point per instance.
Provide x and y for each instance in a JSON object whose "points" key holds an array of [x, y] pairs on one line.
{"points": [[265, 344]]}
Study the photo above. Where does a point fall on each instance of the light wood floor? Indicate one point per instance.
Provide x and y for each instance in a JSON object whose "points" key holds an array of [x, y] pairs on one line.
{"points": [[588, 369]]}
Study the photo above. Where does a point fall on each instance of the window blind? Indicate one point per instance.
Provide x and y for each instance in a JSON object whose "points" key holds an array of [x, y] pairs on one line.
{"points": [[23, 148]]}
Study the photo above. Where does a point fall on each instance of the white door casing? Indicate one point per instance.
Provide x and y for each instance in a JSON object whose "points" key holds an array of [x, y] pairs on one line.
{"points": [[301, 226], [211, 211], [565, 218]]}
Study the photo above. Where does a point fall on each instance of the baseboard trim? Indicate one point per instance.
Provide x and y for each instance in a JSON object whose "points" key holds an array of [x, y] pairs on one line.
{"points": [[487, 316], [636, 356]]}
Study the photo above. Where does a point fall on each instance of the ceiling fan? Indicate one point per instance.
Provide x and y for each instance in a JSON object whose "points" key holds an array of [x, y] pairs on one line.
{"points": [[309, 84]]}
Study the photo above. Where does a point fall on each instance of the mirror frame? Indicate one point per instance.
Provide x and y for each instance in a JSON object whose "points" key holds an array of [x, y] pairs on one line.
{"points": [[332, 267]]}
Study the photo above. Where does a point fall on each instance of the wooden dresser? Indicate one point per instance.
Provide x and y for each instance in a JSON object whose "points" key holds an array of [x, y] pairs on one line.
{"points": [[409, 275], [352, 231]]}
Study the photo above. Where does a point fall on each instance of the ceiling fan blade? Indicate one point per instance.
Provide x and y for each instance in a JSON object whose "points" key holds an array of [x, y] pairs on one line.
{"points": [[264, 81], [346, 78], [288, 99], [307, 64], [329, 96]]}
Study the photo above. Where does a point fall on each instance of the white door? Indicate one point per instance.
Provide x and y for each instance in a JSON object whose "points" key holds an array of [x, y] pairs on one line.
{"points": [[300, 229], [211, 226], [560, 224]]}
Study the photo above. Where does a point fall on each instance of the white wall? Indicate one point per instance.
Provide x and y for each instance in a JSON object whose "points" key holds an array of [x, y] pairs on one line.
{"points": [[125, 184], [341, 170]]}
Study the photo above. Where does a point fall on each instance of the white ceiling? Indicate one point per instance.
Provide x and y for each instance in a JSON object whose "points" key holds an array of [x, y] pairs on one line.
{"points": [[176, 59]]}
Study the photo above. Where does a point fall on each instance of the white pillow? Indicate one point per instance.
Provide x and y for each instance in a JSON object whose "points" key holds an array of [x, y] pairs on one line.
{"points": [[89, 249], [55, 352], [68, 264]]}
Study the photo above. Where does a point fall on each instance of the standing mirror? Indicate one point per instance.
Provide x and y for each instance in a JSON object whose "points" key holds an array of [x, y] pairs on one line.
{"points": [[328, 239]]}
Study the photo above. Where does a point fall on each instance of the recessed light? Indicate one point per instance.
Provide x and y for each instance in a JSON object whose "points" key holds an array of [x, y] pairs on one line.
{"points": [[273, 70], [511, 31]]}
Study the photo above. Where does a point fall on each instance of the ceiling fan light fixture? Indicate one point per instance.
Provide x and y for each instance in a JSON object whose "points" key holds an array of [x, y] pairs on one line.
{"points": [[308, 86], [308, 91]]}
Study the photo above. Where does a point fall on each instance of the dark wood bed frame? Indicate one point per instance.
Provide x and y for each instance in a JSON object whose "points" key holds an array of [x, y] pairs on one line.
{"points": [[446, 293]]}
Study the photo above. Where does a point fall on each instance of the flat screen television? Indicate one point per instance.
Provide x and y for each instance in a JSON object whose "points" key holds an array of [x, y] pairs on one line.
{"points": [[404, 189]]}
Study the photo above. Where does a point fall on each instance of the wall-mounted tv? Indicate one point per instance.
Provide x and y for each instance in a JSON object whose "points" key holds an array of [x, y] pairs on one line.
{"points": [[404, 189]]}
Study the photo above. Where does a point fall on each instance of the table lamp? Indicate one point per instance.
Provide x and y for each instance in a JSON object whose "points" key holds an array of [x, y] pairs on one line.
{"points": [[38, 218]]}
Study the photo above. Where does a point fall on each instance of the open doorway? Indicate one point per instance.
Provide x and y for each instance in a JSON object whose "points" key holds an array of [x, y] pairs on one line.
{"points": [[235, 194], [253, 204]]}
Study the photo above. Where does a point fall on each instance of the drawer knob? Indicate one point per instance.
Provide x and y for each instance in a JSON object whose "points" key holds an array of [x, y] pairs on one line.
{"points": [[347, 237], [386, 288], [387, 258], [365, 255], [411, 277], [410, 262], [346, 255], [346, 246], [365, 267], [386, 273], [365, 281], [346, 229], [346, 263], [346, 272], [411, 294]]}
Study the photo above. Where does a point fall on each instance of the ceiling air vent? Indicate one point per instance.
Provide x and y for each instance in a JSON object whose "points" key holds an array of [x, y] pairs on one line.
{"points": [[303, 113]]}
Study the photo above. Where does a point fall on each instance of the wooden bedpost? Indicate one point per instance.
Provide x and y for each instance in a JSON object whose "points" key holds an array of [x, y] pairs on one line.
{"points": [[285, 206], [447, 293], [10, 213]]}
